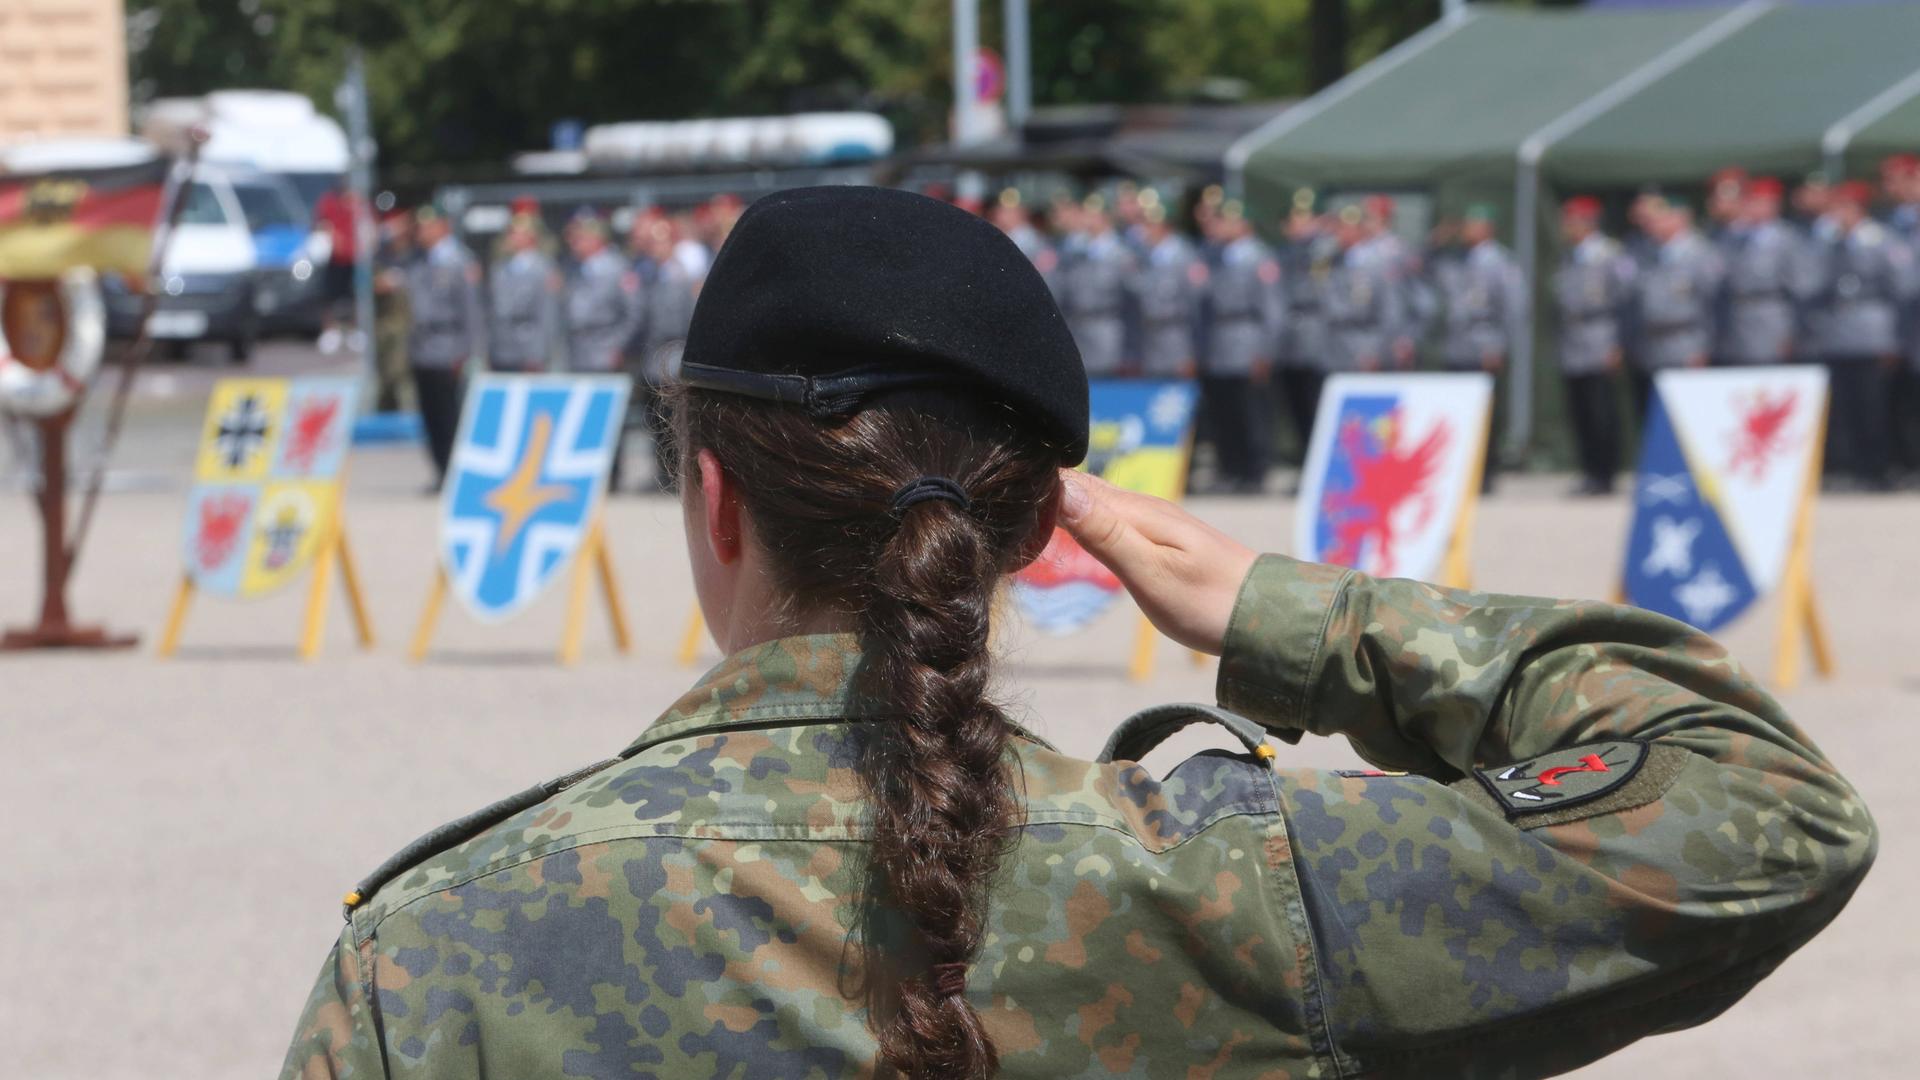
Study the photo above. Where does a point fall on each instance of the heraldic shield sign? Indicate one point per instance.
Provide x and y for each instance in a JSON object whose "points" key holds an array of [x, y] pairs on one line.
{"points": [[1139, 438], [1729, 465], [1392, 474], [524, 493], [265, 503]]}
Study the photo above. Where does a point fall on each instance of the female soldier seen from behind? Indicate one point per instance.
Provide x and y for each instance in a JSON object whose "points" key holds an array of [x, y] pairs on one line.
{"points": [[840, 855]]}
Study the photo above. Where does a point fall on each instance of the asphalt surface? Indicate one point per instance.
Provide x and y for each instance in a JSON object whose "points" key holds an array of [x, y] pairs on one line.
{"points": [[184, 828]]}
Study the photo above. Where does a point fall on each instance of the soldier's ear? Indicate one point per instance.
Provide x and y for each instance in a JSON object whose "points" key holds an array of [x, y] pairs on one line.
{"points": [[1043, 526], [720, 495]]}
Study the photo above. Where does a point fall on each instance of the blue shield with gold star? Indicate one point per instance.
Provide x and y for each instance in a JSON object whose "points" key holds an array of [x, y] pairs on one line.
{"points": [[526, 482]]}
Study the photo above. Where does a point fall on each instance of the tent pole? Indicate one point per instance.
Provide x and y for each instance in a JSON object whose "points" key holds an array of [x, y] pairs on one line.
{"points": [[1526, 242], [1526, 184], [1836, 139]]}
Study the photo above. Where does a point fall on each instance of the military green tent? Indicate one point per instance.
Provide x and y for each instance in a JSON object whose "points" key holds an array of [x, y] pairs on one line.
{"points": [[1518, 106]]}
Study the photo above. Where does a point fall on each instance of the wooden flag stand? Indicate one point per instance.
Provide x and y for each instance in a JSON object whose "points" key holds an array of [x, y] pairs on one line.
{"points": [[333, 546], [56, 630], [1799, 611], [1145, 636], [593, 560]]}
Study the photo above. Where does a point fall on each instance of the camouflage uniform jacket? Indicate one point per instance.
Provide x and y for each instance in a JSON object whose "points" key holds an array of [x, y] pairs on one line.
{"points": [[1606, 831]]}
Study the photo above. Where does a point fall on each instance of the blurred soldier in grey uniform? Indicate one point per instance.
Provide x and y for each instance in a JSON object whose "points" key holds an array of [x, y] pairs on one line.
{"points": [[1247, 313], [1010, 216], [1095, 292], [1768, 275], [1305, 353], [668, 306], [1592, 290], [1485, 302], [448, 330], [1419, 302], [524, 289], [1675, 300], [1867, 276], [1901, 176], [601, 306], [1171, 286], [1362, 303]]}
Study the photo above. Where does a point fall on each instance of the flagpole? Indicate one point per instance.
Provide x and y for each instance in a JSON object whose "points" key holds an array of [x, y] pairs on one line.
{"points": [[137, 354]]}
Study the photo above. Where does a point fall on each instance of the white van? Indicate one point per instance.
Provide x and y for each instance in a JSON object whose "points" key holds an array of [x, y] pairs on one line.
{"points": [[207, 284]]}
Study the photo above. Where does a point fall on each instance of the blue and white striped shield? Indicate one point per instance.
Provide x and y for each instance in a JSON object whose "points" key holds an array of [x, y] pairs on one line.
{"points": [[528, 475]]}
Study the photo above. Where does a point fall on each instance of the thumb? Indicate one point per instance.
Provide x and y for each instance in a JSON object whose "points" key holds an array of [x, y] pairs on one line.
{"points": [[1091, 512]]}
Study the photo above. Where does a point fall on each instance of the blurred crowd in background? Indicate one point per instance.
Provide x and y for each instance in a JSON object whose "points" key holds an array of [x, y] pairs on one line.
{"points": [[1158, 284]]}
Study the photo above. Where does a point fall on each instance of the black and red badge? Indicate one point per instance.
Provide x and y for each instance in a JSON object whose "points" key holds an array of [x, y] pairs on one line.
{"points": [[1563, 778]]}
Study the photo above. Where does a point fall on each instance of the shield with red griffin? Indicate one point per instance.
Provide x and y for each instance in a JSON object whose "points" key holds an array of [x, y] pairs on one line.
{"points": [[1395, 460]]}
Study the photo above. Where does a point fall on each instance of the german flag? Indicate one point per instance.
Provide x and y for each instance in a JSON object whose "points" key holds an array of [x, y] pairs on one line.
{"points": [[51, 222]]}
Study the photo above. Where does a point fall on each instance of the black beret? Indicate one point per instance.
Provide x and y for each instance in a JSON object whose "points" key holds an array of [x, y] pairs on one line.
{"points": [[827, 296]]}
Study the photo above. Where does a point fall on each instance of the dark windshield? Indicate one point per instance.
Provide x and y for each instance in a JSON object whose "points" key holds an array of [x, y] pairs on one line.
{"points": [[267, 207], [202, 207]]}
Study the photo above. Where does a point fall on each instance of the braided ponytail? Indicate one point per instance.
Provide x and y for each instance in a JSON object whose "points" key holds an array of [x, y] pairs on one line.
{"points": [[919, 585]]}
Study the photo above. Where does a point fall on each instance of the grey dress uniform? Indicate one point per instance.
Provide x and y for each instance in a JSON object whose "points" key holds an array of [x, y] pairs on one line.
{"points": [[1170, 287], [668, 304], [1363, 312], [1305, 350], [1676, 303], [447, 329], [1247, 317], [525, 312], [443, 298], [1768, 275], [1485, 305], [1095, 283], [602, 310], [1867, 276], [1591, 290]]}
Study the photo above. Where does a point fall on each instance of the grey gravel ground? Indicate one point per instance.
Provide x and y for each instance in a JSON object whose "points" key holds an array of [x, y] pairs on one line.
{"points": [[184, 828]]}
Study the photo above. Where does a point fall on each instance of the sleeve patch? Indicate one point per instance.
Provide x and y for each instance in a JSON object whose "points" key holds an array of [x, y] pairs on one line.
{"points": [[1563, 778]]}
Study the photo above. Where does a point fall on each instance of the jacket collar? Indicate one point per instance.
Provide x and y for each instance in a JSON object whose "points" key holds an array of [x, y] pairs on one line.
{"points": [[796, 680]]}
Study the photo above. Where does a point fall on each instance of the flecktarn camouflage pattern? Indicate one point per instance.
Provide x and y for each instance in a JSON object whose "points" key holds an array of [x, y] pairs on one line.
{"points": [[695, 907]]}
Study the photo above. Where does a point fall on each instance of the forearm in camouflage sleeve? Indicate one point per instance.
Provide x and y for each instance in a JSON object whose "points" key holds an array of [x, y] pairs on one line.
{"points": [[335, 1036], [1460, 930]]}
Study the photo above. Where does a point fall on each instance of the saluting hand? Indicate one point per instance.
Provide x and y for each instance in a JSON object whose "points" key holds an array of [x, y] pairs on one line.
{"points": [[1184, 573]]}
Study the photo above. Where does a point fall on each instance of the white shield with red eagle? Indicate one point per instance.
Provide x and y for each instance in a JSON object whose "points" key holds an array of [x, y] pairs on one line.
{"points": [[1394, 462], [267, 482]]}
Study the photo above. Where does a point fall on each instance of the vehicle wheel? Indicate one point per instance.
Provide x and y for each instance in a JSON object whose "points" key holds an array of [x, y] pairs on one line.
{"points": [[175, 351], [240, 349]]}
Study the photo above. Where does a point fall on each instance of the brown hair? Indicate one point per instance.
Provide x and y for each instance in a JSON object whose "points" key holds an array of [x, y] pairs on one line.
{"points": [[919, 585]]}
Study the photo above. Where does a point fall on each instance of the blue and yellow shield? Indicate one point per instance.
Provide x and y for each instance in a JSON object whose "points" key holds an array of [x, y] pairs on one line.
{"points": [[528, 475]]}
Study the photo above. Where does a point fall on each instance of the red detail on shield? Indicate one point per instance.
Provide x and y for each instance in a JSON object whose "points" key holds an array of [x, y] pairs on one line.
{"points": [[220, 519], [310, 429]]}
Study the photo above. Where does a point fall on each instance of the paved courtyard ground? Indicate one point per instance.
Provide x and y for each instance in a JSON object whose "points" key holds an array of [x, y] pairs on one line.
{"points": [[183, 829]]}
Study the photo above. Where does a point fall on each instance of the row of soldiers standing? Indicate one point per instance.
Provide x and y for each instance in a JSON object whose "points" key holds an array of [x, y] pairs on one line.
{"points": [[1837, 288], [1253, 323], [600, 310], [1343, 292]]}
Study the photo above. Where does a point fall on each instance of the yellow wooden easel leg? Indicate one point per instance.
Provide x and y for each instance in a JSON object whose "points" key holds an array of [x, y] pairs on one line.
{"points": [[1199, 658], [1798, 612], [314, 630], [577, 603], [1140, 669], [1456, 567], [610, 587], [356, 598], [429, 615], [176, 618], [690, 641], [1817, 635]]}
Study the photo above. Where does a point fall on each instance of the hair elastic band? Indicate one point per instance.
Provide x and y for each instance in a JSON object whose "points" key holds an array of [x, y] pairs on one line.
{"points": [[926, 488], [950, 980]]}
